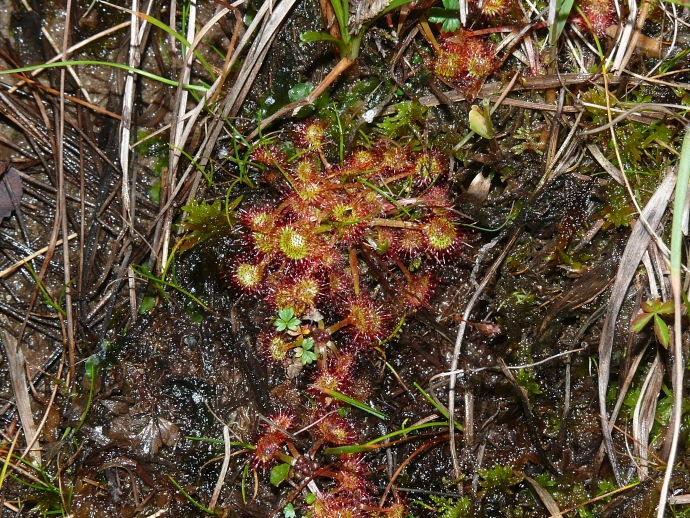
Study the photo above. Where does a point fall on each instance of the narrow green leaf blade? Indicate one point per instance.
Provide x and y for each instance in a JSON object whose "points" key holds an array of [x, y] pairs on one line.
{"points": [[355, 403]]}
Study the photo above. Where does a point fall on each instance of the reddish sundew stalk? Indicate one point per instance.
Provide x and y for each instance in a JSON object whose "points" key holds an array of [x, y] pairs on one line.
{"points": [[418, 293], [397, 177], [367, 318], [298, 489], [373, 263], [393, 223], [494, 30], [293, 451], [403, 269], [339, 325], [354, 268]]}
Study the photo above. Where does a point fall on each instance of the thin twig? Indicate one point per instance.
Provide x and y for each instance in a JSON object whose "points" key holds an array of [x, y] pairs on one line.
{"points": [[461, 334], [61, 213], [223, 469], [22, 262]]}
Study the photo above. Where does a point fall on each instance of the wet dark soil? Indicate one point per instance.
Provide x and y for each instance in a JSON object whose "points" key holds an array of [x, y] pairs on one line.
{"points": [[144, 433]]}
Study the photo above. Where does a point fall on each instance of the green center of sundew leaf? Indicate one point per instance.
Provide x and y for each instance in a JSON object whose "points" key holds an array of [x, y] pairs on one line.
{"points": [[261, 221], [249, 275], [278, 348], [366, 320], [309, 191], [440, 233], [262, 242], [344, 213], [293, 244], [306, 171], [314, 135]]}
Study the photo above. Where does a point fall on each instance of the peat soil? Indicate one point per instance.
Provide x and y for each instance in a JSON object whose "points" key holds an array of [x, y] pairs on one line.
{"points": [[144, 432]]}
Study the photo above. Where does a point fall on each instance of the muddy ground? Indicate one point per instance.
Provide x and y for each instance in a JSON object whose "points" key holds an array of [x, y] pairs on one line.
{"points": [[145, 392]]}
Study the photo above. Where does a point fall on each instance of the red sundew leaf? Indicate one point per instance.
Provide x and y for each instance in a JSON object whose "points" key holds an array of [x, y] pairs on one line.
{"points": [[648, 307]]}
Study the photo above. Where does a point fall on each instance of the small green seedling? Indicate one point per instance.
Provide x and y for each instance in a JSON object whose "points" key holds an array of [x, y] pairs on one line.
{"points": [[279, 473], [480, 122], [287, 321], [305, 351], [656, 310]]}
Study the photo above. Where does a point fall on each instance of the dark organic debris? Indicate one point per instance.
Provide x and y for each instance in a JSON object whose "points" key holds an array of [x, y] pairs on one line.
{"points": [[10, 190]]}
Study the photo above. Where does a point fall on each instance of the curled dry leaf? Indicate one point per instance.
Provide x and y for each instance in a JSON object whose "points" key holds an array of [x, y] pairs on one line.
{"points": [[10, 190], [478, 191], [157, 432], [363, 11]]}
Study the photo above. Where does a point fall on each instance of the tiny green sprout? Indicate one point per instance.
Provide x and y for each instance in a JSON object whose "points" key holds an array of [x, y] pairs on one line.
{"points": [[522, 297], [306, 351], [654, 309], [289, 511], [480, 122], [286, 320]]}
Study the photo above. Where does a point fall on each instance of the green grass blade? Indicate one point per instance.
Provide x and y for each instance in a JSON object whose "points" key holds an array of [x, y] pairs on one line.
{"points": [[341, 10], [189, 497], [563, 8], [355, 403], [441, 410], [179, 37], [385, 195], [146, 275], [679, 204], [165, 28], [311, 36], [677, 288], [91, 62], [6, 464], [373, 444], [48, 299]]}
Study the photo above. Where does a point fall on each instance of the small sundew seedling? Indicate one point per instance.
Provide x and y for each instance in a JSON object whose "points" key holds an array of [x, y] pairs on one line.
{"points": [[248, 276], [287, 321], [523, 298]]}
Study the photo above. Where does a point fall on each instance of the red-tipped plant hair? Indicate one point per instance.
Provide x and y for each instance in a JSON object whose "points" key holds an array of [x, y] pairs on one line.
{"points": [[271, 439], [311, 134], [368, 320], [441, 237]]}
